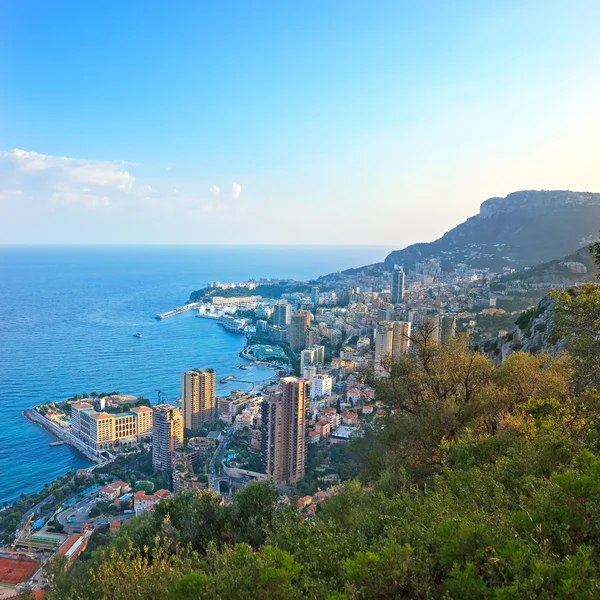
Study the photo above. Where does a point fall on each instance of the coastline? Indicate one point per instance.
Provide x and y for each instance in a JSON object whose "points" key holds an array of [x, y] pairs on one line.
{"points": [[35, 417], [63, 435]]}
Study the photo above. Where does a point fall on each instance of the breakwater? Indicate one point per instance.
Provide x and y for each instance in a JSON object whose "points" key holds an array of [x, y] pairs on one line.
{"points": [[178, 310]]}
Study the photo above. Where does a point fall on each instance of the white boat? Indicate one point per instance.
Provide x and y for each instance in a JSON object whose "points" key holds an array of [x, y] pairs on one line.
{"points": [[137, 335]]}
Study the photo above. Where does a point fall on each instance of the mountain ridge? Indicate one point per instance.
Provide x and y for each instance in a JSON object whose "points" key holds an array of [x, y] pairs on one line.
{"points": [[522, 229]]}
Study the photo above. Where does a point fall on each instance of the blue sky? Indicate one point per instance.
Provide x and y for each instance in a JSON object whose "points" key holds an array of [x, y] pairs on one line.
{"points": [[287, 122]]}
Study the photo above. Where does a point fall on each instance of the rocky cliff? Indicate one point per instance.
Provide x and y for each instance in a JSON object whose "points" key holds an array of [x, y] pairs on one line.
{"points": [[534, 333]]}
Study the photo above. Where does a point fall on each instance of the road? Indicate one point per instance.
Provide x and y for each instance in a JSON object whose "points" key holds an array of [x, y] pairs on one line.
{"points": [[213, 480], [79, 510]]}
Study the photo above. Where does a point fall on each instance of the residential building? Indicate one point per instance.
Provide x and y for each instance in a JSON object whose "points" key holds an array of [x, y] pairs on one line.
{"points": [[323, 428], [143, 501], [230, 406], [198, 398], [244, 419], [320, 386], [397, 294], [296, 331], [284, 438], [314, 355], [383, 348], [314, 293], [309, 372], [167, 435], [400, 338], [282, 313], [448, 328]]}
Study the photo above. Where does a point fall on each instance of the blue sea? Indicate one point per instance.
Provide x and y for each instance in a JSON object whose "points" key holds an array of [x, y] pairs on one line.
{"points": [[67, 319]]}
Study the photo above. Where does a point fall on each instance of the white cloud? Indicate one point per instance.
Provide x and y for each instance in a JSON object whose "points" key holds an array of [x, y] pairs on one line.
{"points": [[91, 183], [215, 190], [236, 190]]}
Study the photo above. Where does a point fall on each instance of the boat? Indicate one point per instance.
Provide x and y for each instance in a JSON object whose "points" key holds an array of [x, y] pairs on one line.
{"points": [[226, 379], [137, 335], [57, 443]]}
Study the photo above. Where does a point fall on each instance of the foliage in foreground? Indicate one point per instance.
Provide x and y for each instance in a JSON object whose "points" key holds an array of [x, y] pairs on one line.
{"points": [[481, 482]]}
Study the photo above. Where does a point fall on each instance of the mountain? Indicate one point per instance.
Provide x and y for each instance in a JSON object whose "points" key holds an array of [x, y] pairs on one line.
{"points": [[525, 228]]}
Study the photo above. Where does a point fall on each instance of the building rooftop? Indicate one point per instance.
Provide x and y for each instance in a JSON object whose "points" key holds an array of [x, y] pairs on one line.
{"points": [[101, 416]]}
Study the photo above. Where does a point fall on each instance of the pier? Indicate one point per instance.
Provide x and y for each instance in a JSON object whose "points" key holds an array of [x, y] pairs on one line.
{"points": [[178, 310]]}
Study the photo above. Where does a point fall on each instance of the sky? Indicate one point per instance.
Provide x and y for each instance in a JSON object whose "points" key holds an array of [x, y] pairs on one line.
{"points": [[297, 122]]}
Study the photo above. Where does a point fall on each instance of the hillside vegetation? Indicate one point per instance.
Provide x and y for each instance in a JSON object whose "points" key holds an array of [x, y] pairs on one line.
{"points": [[480, 482]]}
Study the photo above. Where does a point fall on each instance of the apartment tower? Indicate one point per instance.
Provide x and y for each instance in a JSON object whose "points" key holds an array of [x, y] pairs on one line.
{"points": [[384, 338], [281, 314], [400, 338], [283, 445], [397, 285], [198, 398], [167, 435], [297, 330]]}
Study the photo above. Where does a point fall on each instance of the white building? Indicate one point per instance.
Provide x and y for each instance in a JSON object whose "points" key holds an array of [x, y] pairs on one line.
{"points": [[383, 348], [315, 355], [320, 386]]}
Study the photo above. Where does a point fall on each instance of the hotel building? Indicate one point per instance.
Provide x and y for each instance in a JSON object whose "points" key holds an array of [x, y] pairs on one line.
{"points": [[102, 430]]}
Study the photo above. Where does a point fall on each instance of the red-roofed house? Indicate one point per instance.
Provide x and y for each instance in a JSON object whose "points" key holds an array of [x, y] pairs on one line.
{"points": [[304, 501], [115, 525], [350, 418], [323, 428], [143, 501]]}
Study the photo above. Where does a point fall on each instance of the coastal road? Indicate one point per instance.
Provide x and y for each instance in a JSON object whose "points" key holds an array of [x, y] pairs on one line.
{"points": [[79, 510]]}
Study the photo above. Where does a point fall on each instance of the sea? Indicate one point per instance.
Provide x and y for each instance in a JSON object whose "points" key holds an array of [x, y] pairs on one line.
{"points": [[68, 315]]}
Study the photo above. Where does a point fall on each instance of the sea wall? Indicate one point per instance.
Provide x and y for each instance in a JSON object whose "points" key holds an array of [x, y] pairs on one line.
{"points": [[61, 434]]}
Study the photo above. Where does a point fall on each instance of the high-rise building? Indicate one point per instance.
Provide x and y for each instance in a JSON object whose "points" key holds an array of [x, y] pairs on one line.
{"points": [[198, 398], [320, 385], [315, 355], [282, 314], [400, 338], [429, 330], [384, 337], [397, 285], [314, 292], [297, 330], [448, 328], [167, 435], [283, 443], [309, 372]]}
